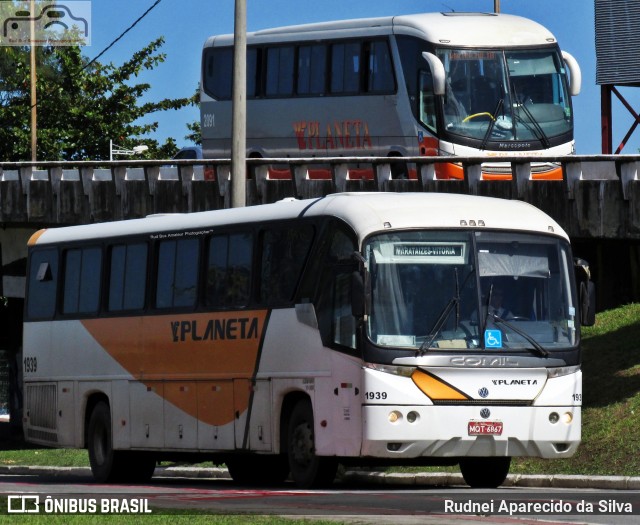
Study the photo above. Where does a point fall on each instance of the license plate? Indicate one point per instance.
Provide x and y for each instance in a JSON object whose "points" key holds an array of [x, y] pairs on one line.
{"points": [[485, 428]]}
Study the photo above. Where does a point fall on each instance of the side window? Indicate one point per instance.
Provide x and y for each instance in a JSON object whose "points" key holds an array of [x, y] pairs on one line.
{"points": [[280, 62], [345, 68], [127, 282], [312, 62], [82, 278], [43, 282], [283, 255], [333, 303], [218, 72], [427, 100], [380, 73], [177, 283], [229, 270], [252, 73]]}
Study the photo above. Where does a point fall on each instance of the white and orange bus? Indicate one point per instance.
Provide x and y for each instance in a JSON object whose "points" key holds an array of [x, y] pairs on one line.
{"points": [[290, 337], [453, 84]]}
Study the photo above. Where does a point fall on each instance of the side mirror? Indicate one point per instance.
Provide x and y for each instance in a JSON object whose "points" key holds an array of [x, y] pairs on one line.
{"points": [[587, 291], [437, 72], [587, 303], [575, 75]]}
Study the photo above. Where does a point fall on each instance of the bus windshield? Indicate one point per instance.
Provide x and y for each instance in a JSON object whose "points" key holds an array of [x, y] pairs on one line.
{"points": [[510, 95], [435, 290]]}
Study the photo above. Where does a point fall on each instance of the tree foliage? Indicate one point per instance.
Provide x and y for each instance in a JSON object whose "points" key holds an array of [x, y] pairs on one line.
{"points": [[81, 105]]}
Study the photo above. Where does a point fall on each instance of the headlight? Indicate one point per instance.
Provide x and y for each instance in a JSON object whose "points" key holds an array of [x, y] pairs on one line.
{"points": [[562, 371], [404, 371]]}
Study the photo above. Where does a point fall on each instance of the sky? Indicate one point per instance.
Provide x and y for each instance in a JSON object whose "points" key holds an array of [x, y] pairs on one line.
{"points": [[186, 24]]}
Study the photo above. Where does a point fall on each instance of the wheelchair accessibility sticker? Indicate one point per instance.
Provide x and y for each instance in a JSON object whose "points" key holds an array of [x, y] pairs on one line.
{"points": [[492, 339]]}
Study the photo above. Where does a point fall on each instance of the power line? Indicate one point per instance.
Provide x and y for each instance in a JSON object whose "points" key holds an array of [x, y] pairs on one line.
{"points": [[122, 34]]}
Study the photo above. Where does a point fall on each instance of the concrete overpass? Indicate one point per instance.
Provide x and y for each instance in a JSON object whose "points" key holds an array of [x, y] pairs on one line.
{"points": [[597, 201]]}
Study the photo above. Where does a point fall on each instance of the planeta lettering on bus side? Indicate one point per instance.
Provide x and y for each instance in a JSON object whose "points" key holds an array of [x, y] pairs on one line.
{"points": [[214, 329], [345, 134]]}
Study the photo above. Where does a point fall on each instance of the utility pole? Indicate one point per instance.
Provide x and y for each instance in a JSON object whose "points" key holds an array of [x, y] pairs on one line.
{"points": [[34, 101], [496, 6], [239, 104]]}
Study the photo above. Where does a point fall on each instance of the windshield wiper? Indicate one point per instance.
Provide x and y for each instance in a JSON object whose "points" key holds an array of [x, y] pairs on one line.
{"points": [[492, 123], [537, 128], [444, 315], [539, 349]]}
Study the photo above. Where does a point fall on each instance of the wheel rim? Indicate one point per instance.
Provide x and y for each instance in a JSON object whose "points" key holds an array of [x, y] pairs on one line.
{"points": [[302, 450]]}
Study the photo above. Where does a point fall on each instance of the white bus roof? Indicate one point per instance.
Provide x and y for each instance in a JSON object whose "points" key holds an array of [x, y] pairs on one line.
{"points": [[367, 213], [449, 29]]}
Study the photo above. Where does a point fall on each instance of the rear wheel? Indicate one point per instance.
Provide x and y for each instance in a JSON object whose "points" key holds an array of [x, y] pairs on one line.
{"points": [[485, 473], [109, 465], [307, 469]]}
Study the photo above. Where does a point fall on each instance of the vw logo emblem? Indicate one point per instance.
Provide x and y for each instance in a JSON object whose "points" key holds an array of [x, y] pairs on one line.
{"points": [[484, 392], [485, 413]]}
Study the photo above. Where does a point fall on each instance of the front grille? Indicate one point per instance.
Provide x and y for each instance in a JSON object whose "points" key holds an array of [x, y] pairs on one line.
{"points": [[505, 168], [484, 402]]}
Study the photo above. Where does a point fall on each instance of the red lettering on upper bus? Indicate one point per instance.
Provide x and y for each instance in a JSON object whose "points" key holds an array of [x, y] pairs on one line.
{"points": [[346, 134], [366, 137], [298, 128]]}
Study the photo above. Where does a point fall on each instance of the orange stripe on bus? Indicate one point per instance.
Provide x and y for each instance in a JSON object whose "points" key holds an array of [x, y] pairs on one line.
{"points": [[34, 238], [435, 388], [212, 349]]}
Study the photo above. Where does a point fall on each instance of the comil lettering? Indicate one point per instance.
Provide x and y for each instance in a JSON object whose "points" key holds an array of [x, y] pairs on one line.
{"points": [[215, 329]]}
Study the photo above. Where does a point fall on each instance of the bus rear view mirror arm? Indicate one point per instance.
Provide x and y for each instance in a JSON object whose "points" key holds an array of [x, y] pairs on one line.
{"points": [[437, 71], [575, 80]]}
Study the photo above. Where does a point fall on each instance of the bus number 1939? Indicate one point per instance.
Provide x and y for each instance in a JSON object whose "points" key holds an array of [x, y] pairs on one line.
{"points": [[375, 395], [30, 364]]}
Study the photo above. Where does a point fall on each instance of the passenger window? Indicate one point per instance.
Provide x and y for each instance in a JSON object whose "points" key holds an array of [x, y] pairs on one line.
{"points": [[43, 281], [218, 72], [177, 282], [284, 253], [82, 277], [311, 69], [345, 68], [381, 78], [229, 270], [127, 283], [280, 62]]}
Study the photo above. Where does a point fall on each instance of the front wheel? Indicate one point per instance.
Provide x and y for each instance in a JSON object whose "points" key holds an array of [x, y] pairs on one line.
{"points": [[485, 473], [307, 469]]}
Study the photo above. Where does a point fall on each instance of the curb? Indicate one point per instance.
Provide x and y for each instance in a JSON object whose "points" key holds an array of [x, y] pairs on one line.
{"points": [[436, 479]]}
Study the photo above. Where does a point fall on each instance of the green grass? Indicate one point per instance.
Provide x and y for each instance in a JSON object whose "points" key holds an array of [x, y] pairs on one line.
{"points": [[610, 415], [611, 401]]}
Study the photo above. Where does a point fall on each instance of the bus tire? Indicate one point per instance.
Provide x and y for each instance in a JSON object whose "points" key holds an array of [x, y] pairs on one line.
{"points": [[485, 473], [102, 457], [108, 465], [307, 469], [254, 469]]}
